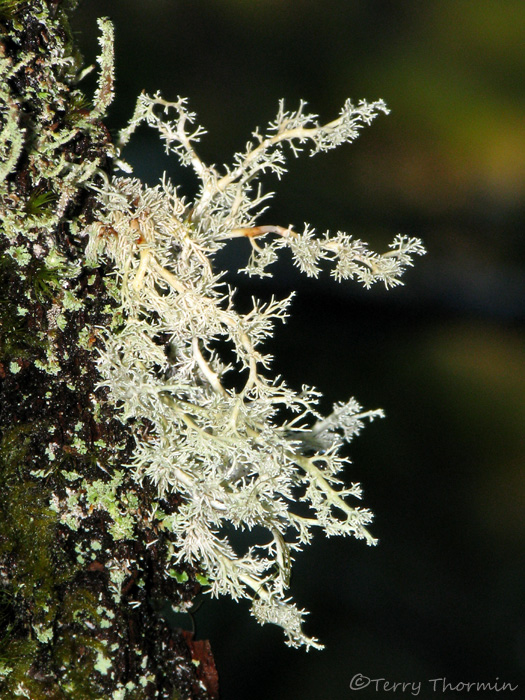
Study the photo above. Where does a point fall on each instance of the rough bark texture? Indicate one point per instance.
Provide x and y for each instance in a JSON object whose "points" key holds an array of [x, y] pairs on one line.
{"points": [[81, 569]]}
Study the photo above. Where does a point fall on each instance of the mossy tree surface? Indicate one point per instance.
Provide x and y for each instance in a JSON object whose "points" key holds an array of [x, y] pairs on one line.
{"points": [[81, 565]]}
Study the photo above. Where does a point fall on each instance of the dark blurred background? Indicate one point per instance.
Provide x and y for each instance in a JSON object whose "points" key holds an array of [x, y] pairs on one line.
{"points": [[442, 594]]}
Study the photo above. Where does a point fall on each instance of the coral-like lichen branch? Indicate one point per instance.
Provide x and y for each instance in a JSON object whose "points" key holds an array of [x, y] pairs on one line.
{"points": [[230, 452]]}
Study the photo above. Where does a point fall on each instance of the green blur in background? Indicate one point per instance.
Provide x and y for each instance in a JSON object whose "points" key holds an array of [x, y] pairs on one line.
{"points": [[442, 594]]}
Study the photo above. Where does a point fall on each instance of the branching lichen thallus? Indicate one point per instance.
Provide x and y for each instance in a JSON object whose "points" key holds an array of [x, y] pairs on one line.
{"points": [[230, 454]]}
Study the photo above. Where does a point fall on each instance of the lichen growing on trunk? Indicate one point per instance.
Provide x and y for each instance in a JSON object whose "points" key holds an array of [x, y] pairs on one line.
{"points": [[140, 420], [78, 593]]}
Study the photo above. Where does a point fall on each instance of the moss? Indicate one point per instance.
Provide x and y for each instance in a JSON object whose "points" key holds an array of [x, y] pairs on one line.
{"points": [[46, 282], [38, 571], [39, 201], [27, 525], [19, 659], [9, 8]]}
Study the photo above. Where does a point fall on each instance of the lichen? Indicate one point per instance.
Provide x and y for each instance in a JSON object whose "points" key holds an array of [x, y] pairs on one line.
{"points": [[243, 450], [127, 458], [66, 525]]}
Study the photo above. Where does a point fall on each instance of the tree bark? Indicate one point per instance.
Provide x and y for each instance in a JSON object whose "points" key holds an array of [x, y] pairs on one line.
{"points": [[82, 570]]}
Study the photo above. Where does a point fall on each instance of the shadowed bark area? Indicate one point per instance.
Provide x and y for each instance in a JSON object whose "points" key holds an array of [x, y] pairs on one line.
{"points": [[82, 569]]}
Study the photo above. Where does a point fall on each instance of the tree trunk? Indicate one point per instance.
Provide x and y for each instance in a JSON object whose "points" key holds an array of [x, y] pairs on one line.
{"points": [[81, 567]]}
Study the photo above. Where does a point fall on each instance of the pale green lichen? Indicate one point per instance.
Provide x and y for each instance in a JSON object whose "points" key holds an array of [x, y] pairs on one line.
{"points": [[259, 455], [103, 495], [61, 321], [102, 664], [5, 670], [117, 575], [105, 89], [107, 617], [84, 338], [70, 301], [41, 473], [79, 445], [44, 635], [51, 367], [106, 496], [238, 458], [70, 475], [144, 680], [81, 559], [20, 254], [52, 145]]}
